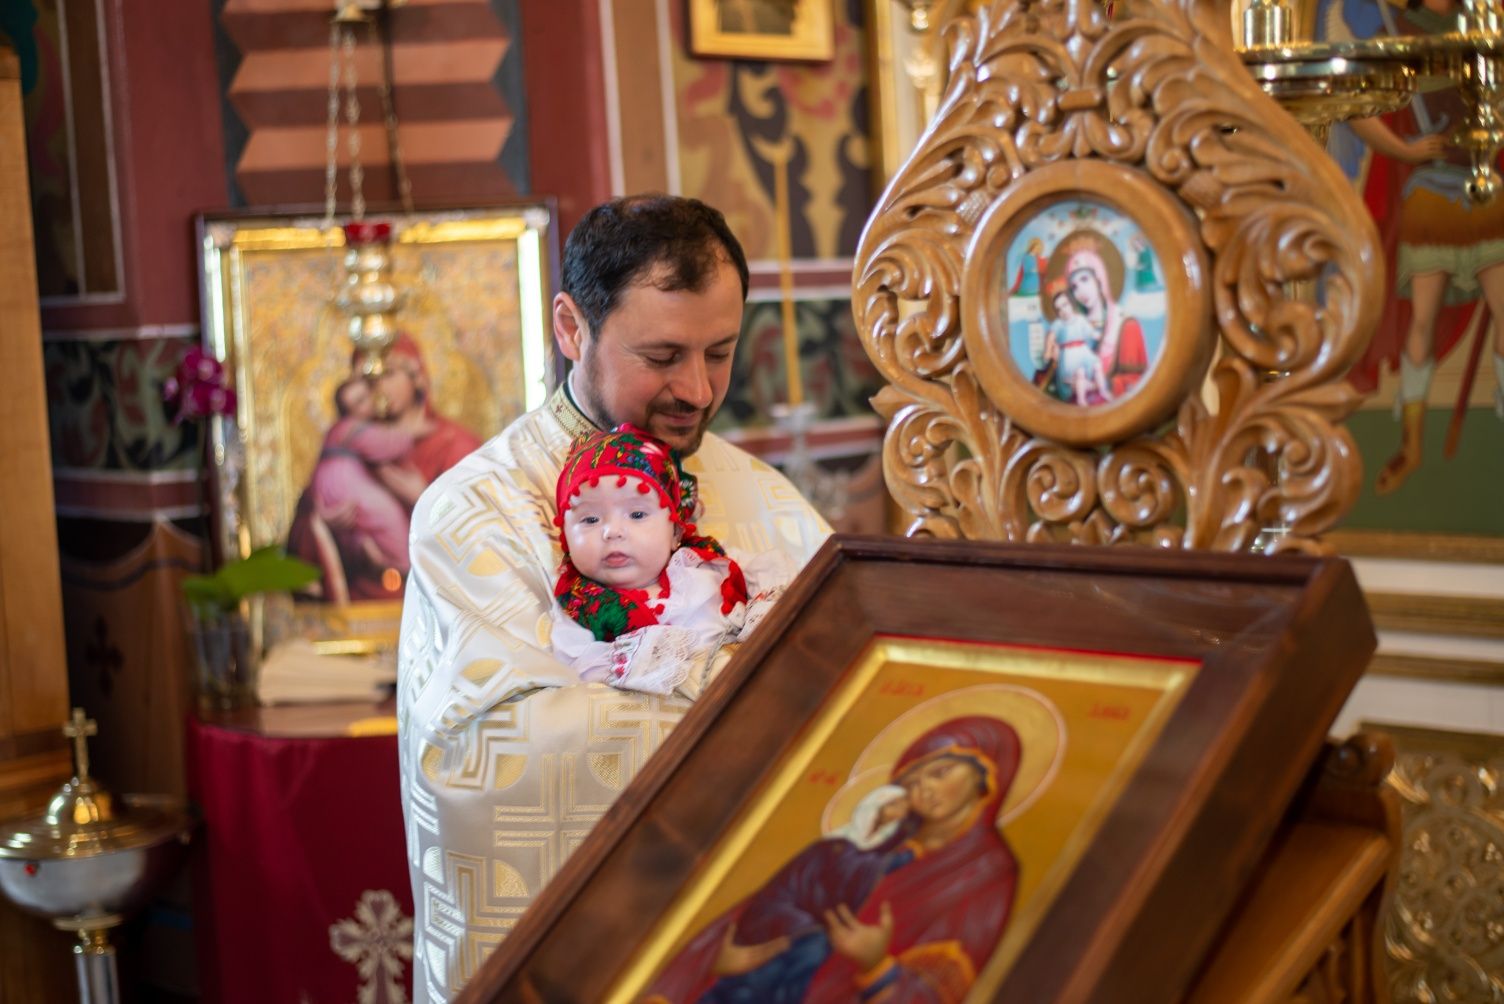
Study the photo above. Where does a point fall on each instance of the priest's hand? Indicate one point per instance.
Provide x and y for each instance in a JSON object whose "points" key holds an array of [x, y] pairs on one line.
{"points": [[734, 959], [863, 944]]}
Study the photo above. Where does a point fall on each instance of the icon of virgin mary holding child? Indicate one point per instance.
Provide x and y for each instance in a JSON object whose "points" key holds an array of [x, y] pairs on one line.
{"points": [[387, 443], [906, 903], [1092, 269]]}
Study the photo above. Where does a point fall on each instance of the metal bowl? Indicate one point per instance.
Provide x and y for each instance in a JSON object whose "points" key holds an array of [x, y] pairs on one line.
{"points": [[60, 868]]}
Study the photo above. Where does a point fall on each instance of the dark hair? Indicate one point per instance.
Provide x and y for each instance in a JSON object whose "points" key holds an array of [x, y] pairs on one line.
{"points": [[623, 241]]}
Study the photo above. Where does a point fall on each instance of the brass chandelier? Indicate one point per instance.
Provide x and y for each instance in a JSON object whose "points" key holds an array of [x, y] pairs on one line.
{"points": [[1317, 82], [1324, 82]]}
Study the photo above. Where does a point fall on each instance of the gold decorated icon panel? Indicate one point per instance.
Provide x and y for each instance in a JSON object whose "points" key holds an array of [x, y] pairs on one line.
{"points": [[327, 460], [948, 790]]}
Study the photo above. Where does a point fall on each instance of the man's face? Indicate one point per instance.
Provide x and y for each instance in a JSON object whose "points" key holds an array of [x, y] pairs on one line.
{"points": [[661, 361]]}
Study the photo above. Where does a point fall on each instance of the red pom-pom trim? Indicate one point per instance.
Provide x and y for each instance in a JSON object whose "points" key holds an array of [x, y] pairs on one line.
{"points": [[733, 588]]}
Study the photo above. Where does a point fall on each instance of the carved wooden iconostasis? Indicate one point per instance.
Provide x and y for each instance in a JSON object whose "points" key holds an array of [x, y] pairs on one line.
{"points": [[1141, 165], [1436, 599]]}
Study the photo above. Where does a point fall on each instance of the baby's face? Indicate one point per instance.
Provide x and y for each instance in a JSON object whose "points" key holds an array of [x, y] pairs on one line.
{"points": [[891, 812], [357, 401], [618, 535], [1063, 305]]}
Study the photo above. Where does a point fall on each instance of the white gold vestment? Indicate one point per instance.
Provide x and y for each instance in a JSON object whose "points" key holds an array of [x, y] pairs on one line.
{"points": [[507, 759]]}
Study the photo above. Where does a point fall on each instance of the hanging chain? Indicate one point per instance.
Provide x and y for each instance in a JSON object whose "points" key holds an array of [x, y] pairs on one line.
{"points": [[352, 121], [331, 129], [393, 143], [342, 75]]}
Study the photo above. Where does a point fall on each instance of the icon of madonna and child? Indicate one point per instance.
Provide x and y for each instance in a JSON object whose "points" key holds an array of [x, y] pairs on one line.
{"points": [[906, 901], [1082, 327], [387, 442]]}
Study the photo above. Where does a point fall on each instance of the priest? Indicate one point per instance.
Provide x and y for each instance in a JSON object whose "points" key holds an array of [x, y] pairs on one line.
{"points": [[507, 758]]}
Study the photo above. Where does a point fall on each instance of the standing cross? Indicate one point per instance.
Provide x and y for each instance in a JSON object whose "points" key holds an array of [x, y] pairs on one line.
{"points": [[79, 728]]}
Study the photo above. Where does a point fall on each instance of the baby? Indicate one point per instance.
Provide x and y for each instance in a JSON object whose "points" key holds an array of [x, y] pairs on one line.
{"points": [[875, 818], [1079, 368], [645, 600], [344, 489]]}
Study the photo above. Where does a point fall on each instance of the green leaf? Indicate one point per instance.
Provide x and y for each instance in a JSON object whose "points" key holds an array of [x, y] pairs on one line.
{"points": [[207, 596], [264, 570], [205, 589]]}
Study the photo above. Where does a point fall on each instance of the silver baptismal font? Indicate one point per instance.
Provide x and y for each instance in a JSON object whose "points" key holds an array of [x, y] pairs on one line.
{"points": [[90, 859]]}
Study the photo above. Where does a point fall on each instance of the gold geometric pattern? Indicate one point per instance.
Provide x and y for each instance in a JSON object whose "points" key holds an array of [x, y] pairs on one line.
{"points": [[606, 768], [543, 784], [507, 758], [1445, 930], [509, 768], [507, 882]]}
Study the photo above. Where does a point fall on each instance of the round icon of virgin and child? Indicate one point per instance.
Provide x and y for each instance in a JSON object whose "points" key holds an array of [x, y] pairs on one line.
{"points": [[1086, 303], [912, 885]]}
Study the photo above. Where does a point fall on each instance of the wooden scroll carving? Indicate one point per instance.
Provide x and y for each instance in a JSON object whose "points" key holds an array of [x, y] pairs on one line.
{"points": [[1059, 115]]}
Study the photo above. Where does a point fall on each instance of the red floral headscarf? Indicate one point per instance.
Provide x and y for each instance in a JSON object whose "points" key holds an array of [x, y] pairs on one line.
{"points": [[628, 452]]}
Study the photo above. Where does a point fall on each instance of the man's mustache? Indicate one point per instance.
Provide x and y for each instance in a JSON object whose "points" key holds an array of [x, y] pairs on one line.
{"points": [[680, 408]]}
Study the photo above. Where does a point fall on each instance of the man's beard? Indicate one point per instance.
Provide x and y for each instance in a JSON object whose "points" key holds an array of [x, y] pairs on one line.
{"points": [[690, 441], [603, 416]]}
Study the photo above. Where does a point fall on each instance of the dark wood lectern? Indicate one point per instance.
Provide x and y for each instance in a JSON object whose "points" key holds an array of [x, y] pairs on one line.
{"points": [[1018, 773]]}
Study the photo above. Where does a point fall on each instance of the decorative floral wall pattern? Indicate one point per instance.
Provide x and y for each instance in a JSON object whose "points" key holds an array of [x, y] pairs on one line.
{"points": [[735, 116], [838, 377], [104, 404]]}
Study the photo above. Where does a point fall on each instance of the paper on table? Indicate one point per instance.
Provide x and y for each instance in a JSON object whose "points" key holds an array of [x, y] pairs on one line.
{"points": [[294, 672]]}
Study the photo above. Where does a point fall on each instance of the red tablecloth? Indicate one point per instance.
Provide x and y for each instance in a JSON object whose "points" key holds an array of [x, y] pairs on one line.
{"points": [[302, 878]]}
